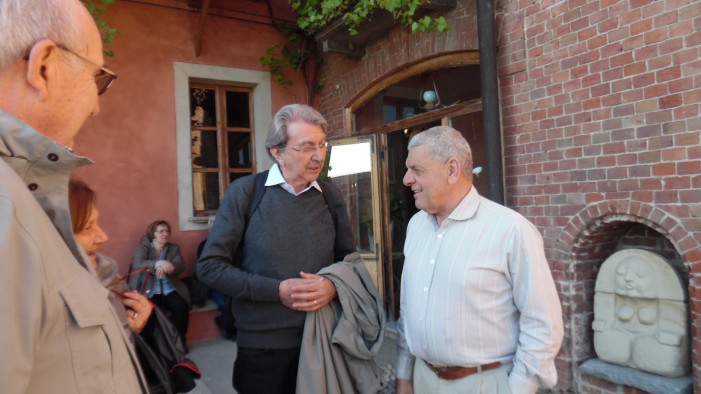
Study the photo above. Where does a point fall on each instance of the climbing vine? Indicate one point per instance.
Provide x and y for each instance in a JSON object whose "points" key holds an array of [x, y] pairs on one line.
{"points": [[314, 15], [97, 9]]}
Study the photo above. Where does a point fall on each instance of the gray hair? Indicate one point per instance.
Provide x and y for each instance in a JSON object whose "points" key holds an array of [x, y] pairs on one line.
{"points": [[24, 22], [445, 142], [277, 134]]}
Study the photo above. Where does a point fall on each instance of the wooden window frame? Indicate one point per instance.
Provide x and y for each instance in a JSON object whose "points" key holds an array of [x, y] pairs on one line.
{"points": [[222, 130], [183, 75]]}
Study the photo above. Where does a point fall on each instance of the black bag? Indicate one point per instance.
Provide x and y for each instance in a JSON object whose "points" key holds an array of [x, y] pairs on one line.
{"points": [[199, 292], [161, 353]]}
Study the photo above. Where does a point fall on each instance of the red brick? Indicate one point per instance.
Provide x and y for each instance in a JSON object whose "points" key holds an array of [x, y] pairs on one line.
{"points": [[689, 168], [640, 27], [668, 74], [674, 154], [664, 169], [686, 112], [671, 101], [655, 91]]}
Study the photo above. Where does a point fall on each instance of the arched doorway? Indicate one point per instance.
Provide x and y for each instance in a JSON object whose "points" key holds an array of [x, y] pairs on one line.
{"points": [[443, 90]]}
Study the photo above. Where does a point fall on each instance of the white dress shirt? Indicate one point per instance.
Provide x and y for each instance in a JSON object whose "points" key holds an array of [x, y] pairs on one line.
{"points": [[275, 178], [478, 289]]}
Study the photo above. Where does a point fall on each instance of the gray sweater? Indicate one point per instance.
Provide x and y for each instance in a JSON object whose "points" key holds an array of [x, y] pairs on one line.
{"points": [[286, 234]]}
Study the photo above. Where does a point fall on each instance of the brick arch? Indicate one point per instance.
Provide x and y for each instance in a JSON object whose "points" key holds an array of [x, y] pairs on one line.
{"points": [[403, 71], [593, 216]]}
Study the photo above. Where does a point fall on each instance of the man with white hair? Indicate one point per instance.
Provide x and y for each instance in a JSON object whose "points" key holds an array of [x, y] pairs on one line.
{"points": [[479, 312], [58, 331]]}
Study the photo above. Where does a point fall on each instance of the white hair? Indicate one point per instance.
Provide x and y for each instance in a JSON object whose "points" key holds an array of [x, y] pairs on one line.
{"points": [[24, 22], [445, 142]]}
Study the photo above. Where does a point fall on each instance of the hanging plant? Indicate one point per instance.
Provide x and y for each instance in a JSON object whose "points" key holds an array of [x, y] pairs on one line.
{"points": [[294, 54], [314, 15], [97, 9]]}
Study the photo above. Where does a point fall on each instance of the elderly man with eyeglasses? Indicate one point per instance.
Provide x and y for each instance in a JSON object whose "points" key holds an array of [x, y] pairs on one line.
{"points": [[58, 331], [299, 226]]}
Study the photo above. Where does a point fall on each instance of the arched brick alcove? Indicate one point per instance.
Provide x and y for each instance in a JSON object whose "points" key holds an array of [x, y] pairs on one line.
{"points": [[591, 236]]}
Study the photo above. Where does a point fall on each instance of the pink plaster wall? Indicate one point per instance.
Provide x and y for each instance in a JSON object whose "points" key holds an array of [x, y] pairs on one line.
{"points": [[133, 139]]}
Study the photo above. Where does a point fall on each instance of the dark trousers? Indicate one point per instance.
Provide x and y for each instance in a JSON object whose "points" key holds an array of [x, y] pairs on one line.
{"points": [[266, 371], [176, 308]]}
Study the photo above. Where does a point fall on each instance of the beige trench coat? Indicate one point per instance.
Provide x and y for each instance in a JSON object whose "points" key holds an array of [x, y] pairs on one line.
{"points": [[58, 330]]}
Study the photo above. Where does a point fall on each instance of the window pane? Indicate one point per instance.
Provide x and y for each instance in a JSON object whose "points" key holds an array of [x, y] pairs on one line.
{"points": [[236, 175], [205, 191], [390, 113], [237, 114], [204, 149], [239, 150], [202, 107]]}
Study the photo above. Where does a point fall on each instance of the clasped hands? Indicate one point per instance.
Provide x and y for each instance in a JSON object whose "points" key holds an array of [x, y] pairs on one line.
{"points": [[307, 293], [163, 268]]}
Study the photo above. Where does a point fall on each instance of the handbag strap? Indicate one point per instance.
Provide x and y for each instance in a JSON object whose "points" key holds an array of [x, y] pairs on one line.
{"points": [[131, 273]]}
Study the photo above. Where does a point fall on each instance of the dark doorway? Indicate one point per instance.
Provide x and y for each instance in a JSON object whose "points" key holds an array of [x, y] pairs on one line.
{"points": [[401, 208]]}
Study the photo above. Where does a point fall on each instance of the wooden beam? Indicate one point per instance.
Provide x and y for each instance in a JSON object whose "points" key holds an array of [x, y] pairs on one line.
{"points": [[438, 5], [426, 117], [200, 27]]}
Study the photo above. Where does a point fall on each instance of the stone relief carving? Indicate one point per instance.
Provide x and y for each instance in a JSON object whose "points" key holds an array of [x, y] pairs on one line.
{"points": [[641, 314]]}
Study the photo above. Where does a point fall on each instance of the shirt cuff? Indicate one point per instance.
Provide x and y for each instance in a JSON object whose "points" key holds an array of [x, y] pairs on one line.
{"points": [[405, 367], [522, 385]]}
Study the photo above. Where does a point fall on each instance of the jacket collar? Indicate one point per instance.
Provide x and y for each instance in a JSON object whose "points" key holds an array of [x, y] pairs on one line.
{"points": [[45, 167]]}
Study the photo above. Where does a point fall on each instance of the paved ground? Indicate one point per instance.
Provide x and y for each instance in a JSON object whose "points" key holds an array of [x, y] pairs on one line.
{"points": [[215, 358]]}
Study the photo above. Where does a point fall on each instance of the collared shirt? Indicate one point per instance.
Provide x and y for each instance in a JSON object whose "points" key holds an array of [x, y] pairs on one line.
{"points": [[478, 289], [275, 178]]}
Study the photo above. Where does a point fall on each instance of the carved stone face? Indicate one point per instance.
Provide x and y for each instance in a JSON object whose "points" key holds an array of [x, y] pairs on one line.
{"points": [[636, 278]]}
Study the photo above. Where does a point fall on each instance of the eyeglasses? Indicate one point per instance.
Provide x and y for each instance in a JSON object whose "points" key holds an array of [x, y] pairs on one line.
{"points": [[308, 147], [103, 79]]}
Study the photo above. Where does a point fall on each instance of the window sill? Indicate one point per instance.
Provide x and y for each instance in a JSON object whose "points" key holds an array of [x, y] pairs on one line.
{"points": [[200, 219]]}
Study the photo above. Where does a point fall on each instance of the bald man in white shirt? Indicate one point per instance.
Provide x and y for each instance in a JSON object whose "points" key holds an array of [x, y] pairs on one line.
{"points": [[479, 312]]}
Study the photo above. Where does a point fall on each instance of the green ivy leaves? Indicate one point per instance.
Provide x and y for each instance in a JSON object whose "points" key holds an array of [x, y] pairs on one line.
{"points": [[97, 9], [317, 14]]}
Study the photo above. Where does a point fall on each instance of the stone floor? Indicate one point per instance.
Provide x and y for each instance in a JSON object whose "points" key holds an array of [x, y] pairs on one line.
{"points": [[215, 358]]}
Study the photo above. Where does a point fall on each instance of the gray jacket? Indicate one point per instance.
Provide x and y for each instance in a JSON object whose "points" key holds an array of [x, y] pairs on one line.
{"points": [[58, 332], [342, 338]]}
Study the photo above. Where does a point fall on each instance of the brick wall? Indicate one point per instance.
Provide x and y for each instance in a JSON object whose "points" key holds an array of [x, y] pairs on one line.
{"points": [[601, 124], [600, 103]]}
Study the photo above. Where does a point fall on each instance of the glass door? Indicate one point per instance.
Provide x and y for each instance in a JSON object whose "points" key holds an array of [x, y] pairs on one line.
{"points": [[353, 167]]}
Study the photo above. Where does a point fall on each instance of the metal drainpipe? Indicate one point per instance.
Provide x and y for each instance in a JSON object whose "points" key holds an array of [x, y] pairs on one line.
{"points": [[490, 101]]}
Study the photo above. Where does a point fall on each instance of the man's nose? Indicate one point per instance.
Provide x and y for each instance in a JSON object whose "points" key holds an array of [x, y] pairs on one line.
{"points": [[407, 180], [318, 154], [96, 110]]}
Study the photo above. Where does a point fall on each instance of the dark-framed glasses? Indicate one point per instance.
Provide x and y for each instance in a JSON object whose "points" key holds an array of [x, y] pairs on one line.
{"points": [[309, 148], [103, 79]]}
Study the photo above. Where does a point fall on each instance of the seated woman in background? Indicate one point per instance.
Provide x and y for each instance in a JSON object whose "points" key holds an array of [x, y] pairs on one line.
{"points": [[90, 236], [163, 286]]}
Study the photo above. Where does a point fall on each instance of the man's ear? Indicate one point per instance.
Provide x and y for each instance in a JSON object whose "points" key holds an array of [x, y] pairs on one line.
{"points": [[41, 66], [275, 152], [454, 170]]}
